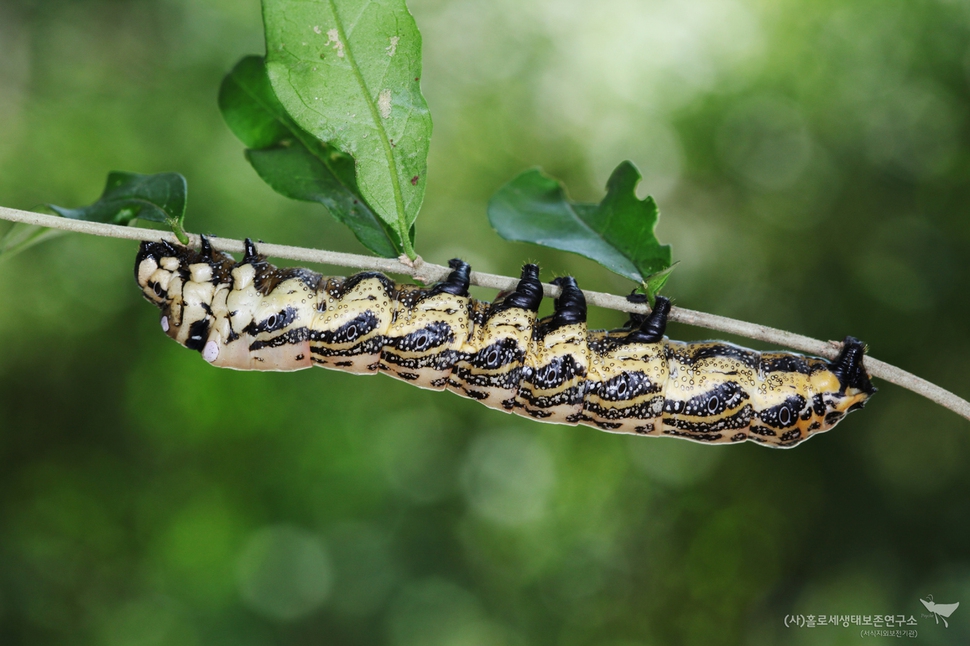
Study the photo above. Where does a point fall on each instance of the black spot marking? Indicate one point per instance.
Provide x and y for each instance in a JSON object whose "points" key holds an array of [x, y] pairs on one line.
{"points": [[722, 398], [818, 405], [497, 355], [624, 387], [740, 419], [557, 372], [291, 336], [749, 358], [273, 322], [431, 336], [785, 414], [784, 363], [198, 334], [793, 434], [361, 325], [703, 437], [833, 417], [607, 426], [762, 430]]}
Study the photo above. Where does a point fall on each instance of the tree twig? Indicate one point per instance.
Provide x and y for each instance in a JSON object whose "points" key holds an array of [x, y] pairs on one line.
{"points": [[428, 272]]}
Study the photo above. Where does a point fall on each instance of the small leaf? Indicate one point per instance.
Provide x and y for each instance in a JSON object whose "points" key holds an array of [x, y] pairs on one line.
{"points": [[655, 282], [127, 196], [292, 161], [618, 232], [348, 72]]}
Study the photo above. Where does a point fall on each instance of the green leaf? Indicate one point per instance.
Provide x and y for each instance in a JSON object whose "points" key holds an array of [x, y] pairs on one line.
{"points": [[618, 232], [127, 196], [292, 161], [348, 72], [655, 282]]}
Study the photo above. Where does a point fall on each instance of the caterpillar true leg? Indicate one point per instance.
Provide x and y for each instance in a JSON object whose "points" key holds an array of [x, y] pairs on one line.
{"points": [[250, 315]]}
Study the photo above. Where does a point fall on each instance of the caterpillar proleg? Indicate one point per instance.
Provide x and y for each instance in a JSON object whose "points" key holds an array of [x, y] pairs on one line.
{"points": [[251, 315]]}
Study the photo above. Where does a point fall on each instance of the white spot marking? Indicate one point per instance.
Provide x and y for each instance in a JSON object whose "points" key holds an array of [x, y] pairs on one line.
{"points": [[165, 324], [333, 36], [393, 48], [317, 30], [384, 103], [211, 351]]}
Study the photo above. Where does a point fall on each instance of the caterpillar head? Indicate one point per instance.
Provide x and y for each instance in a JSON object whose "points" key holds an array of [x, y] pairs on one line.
{"points": [[164, 270], [155, 265]]}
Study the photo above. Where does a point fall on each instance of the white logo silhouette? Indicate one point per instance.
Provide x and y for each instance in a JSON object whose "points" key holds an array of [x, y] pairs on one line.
{"points": [[939, 610]]}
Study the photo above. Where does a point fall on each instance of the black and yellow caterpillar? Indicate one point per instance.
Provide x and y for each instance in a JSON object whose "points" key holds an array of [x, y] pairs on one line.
{"points": [[251, 315]]}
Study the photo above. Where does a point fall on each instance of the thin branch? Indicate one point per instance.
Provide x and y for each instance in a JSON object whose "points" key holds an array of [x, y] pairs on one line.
{"points": [[428, 272]]}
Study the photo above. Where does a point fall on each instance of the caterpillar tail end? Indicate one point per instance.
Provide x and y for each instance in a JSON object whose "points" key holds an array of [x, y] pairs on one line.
{"points": [[848, 367]]}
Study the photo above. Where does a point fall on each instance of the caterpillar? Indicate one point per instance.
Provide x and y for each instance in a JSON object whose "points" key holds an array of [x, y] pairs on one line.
{"points": [[251, 315]]}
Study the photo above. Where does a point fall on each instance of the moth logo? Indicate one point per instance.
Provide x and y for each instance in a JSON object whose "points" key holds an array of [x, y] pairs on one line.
{"points": [[939, 610]]}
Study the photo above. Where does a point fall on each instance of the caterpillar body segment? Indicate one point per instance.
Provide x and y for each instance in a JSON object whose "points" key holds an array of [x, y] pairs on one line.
{"points": [[251, 315]]}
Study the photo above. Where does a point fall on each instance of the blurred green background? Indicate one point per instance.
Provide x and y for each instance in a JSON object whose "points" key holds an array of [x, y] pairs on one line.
{"points": [[811, 162]]}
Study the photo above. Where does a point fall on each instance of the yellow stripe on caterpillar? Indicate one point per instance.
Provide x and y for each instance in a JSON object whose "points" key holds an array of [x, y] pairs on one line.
{"points": [[251, 315]]}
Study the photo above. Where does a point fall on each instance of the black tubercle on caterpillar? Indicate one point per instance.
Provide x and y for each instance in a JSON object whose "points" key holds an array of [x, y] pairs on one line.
{"points": [[457, 281], [527, 294], [652, 328], [251, 315]]}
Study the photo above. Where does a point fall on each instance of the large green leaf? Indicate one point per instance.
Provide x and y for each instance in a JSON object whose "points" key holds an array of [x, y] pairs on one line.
{"points": [[348, 72], [618, 232], [292, 161]]}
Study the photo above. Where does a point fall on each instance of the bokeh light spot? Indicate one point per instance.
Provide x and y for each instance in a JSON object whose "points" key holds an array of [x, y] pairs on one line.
{"points": [[508, 477], [674, 463], [284, 572]]}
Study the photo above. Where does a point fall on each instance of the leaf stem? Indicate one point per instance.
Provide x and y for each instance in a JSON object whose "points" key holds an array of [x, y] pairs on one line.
{"points": [[402, 225], [428, 273]]}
